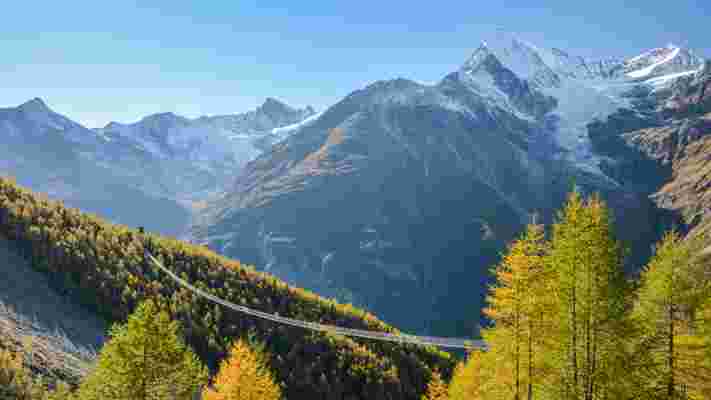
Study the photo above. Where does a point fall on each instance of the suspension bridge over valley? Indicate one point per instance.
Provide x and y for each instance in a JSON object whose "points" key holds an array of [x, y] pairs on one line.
{"points": [[446, 342]]}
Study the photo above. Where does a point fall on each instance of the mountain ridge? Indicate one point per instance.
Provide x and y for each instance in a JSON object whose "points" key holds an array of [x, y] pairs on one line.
{"points": [[373, 199], [163, 162]]}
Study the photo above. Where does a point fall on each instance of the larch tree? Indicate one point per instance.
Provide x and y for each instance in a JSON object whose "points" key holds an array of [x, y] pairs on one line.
{"points": [[244, 375], [588, 288], [436, 388], [519, 308], [704, 322], [468, 378], [670, 315], [145, 358]]}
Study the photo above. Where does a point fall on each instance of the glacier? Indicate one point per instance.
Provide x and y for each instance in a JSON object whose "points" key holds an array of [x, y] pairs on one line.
{"points": [[585, 90]]}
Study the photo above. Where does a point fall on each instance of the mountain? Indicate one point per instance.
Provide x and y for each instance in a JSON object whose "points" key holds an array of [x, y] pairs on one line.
{"points": [[47, 152], [666, 151], [104, 268], [401, 195], [194, 157], [655, 66], [148, 173]]}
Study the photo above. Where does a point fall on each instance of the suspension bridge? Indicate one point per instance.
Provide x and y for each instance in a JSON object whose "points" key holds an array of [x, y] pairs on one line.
{"points": [[446, 342]]}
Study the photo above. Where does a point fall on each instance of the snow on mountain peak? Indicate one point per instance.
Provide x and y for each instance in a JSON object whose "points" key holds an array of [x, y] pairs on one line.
{"points": [[520, 57], [274, 106], [660, 62], [475, 61], [584, 89]]}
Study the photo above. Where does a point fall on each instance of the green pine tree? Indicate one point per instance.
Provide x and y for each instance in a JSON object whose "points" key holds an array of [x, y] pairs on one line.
{"points": [[145, 359]]}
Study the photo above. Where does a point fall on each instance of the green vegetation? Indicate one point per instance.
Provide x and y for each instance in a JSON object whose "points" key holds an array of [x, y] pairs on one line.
{"points": [[18, 383], [567, 326], [103, 265], [145, 359]]}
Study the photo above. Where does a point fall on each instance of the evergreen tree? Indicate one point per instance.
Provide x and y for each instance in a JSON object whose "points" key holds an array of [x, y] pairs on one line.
{"points": [[670, 317], [588, 289], [519, 308], [145, 359], [244, 375]]}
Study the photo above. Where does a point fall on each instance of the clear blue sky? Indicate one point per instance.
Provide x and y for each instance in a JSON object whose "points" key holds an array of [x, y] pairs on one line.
{"points": [[98, 61]]}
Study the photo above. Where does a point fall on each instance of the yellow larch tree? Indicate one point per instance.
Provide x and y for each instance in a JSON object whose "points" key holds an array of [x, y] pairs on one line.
{"points": [[519, 307], [671, 317], [468, 380], [244, 375], [586, 346], [436, 388]]}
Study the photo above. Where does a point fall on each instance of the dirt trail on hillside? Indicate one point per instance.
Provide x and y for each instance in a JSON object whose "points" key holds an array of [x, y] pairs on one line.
{"points": [[64, 335]]}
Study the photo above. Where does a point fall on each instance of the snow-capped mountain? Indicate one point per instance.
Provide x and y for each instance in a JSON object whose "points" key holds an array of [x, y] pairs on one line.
{"points": [[546, 67], [655, 67], [197, 156], [665, 62], [402, 192], [212, 138], [36, 119], [123, 170], [46, 152], [583, 90]]}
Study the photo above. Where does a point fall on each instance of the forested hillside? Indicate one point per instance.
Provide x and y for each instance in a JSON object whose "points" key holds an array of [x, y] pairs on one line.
{"points": [[566, 324], [103, 265]]}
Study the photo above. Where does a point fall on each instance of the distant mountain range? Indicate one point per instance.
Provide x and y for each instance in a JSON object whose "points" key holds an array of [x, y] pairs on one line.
{"points": [[400, 196], [146, 173]]}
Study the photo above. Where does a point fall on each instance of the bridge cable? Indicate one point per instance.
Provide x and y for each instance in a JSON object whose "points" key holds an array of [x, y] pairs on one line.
{"points": [[460, 343]]}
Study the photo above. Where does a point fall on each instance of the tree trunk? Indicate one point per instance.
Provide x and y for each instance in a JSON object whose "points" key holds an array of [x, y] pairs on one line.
{"points": [[670, 356], [517, 323], [530, 360], [574, 339]]}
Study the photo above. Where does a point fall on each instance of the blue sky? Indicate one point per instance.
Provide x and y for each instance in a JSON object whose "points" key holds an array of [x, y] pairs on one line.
{"points": [[117, 60]]}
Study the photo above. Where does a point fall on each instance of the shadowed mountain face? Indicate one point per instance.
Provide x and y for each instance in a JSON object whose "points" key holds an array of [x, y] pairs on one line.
{"points": [[64, 334], [401, 196], [147, 173], [666, 151], [45, 151], [391, 190]]}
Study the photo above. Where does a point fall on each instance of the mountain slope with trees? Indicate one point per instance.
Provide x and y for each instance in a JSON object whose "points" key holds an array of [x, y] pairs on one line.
{"points": [[103, 266], [597, 336]]}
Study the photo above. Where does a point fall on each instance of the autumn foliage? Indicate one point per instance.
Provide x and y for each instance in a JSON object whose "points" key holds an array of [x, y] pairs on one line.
{"points": [[566, 325], [436, 389], [244, 375], [103, 265]]}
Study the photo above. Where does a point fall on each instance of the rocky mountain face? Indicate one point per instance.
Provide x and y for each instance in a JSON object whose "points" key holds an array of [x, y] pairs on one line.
{"points": [[148, 173], [400, 196], [668, 149], [193, 157], [44, 151], [658, 63], [379, 193]]}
